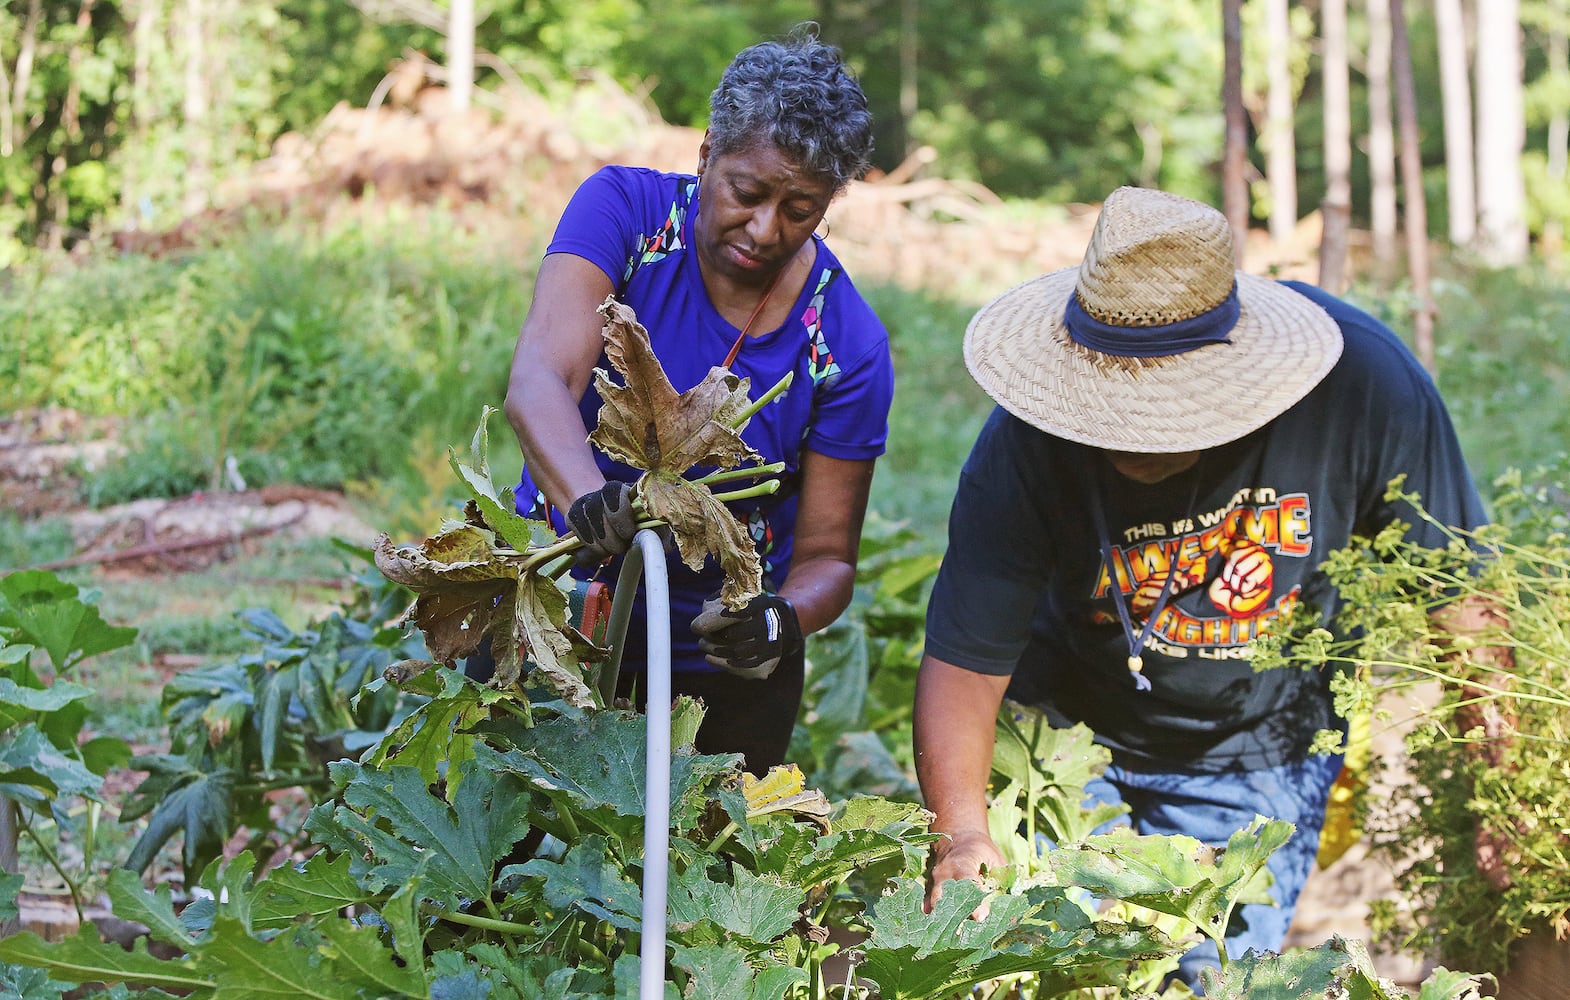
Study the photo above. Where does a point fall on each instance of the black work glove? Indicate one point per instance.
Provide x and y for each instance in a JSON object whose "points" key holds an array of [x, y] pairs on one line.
{"points": [[604, 522], [749, 642]]}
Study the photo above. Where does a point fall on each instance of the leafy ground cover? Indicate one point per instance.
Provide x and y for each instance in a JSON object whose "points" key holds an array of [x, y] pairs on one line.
{"points": [[487, 840], [855, 737]]}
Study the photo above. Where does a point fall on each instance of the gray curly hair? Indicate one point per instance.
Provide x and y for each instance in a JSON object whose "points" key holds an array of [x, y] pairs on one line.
{"points": [[798, 94]]}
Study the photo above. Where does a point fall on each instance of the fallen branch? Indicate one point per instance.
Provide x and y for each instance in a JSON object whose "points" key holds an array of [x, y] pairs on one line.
{"points": [[163, 548]]}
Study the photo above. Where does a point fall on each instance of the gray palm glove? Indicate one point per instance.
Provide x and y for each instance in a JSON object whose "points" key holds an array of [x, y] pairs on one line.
{"points": [[750, 641], [603, 520]]}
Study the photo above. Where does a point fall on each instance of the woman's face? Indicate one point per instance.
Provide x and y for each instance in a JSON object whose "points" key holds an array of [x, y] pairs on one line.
{"points": [[756, 209]]}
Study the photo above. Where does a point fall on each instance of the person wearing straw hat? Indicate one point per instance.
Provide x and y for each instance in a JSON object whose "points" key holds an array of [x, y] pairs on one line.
{"points": [[1177, 447]]}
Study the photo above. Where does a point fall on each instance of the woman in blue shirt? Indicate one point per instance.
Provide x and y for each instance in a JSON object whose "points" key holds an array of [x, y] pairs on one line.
{"points": [[723, 268]]}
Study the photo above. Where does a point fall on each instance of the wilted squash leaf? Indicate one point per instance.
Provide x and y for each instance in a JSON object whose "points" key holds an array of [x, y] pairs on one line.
{"points": [[647, 424], [467, 591]]}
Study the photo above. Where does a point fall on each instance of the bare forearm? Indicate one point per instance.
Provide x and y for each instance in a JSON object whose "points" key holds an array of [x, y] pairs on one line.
{"points": [[833, 505], [820, 590], [553, 439], [955, 721], [552, 365]]}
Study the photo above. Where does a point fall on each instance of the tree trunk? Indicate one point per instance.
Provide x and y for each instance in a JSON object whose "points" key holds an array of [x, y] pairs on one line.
{"points": [[1280, 157], [13, 112], [1455, 92], [1412, 184], [460, 54], [1234, 161], [1559, 119], [1336, 209], [194, 108], [909, 50], [59, 204], [1381, 136], [1501, 135], [140, 15]]}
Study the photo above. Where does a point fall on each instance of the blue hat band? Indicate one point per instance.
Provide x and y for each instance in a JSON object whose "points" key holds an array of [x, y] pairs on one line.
{"points": [[1209, 327]]}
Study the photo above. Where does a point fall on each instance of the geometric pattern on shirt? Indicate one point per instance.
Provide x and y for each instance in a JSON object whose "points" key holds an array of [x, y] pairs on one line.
{"points": [[665, 240]]}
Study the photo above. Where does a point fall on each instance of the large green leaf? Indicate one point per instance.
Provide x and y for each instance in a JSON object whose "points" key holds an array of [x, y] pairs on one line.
{"points": [[912, 953], [401, 913], [1049, 768], [1339, 968], [187, 796], [101, 754], [321, 886], [722, 973], [1176, 875], [40, 608], [587, 881], [396, 829], [18, 982], [435, 737], [227, 892], [840, 668], [527, 975], [155, 909], [593, 767], [333, 961], [15, 699], [86, 958], [801, 855], [752, 907], [32, 769]]}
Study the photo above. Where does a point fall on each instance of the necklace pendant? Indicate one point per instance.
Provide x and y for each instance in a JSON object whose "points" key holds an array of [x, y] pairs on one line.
{"points": [[1136, 664]]}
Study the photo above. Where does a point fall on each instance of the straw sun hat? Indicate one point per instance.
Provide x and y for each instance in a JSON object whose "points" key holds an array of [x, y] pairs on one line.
{"points": [[1144, 347]]}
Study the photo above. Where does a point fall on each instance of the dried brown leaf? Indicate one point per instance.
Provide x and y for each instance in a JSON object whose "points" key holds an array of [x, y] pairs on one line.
{"points": [[702, 525], [466, 591], [645, 423], [458, 580]]}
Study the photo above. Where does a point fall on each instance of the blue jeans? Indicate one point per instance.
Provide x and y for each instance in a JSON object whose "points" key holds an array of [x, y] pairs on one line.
{"points": [[1212, 807]]}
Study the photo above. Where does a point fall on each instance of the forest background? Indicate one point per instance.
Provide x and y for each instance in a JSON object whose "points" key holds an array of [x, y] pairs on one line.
{"points": [[252, 245]]}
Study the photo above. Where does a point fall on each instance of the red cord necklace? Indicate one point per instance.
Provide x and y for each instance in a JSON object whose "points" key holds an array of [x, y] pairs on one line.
{"points": [[735, 348]]}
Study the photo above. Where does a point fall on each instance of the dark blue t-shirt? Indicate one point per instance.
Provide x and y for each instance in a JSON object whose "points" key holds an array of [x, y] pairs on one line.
{"points": [[635, 224], [1024, 591]]}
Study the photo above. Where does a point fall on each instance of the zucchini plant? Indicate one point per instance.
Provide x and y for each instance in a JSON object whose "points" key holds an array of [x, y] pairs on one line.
{"points": [[489, 843]]}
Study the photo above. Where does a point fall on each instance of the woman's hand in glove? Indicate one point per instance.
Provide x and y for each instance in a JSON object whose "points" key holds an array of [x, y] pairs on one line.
{"points": [[751, 641], [603, 520]]}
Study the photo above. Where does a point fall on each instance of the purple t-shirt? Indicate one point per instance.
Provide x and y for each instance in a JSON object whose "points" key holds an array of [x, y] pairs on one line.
{"points": [[635, 224]]}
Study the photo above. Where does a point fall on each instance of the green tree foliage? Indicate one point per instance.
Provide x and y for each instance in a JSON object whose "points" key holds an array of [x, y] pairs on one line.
{"points": [[1066, 100], [60, 64], [1054, 99]]}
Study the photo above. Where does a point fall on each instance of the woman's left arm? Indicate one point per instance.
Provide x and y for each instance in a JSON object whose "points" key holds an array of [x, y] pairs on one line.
{"points": [[828, 534]]}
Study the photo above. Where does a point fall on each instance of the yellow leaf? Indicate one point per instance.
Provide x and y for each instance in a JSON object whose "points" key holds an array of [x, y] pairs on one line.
{"points": [[783, 789]]}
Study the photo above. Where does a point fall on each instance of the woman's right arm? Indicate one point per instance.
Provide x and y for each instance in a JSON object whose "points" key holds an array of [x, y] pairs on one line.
{"points": [[551, 368]]}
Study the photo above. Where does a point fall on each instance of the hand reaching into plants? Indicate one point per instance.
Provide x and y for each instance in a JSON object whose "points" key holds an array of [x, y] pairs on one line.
{"points": [[966, 855], [750, 641], [604, 521]]}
